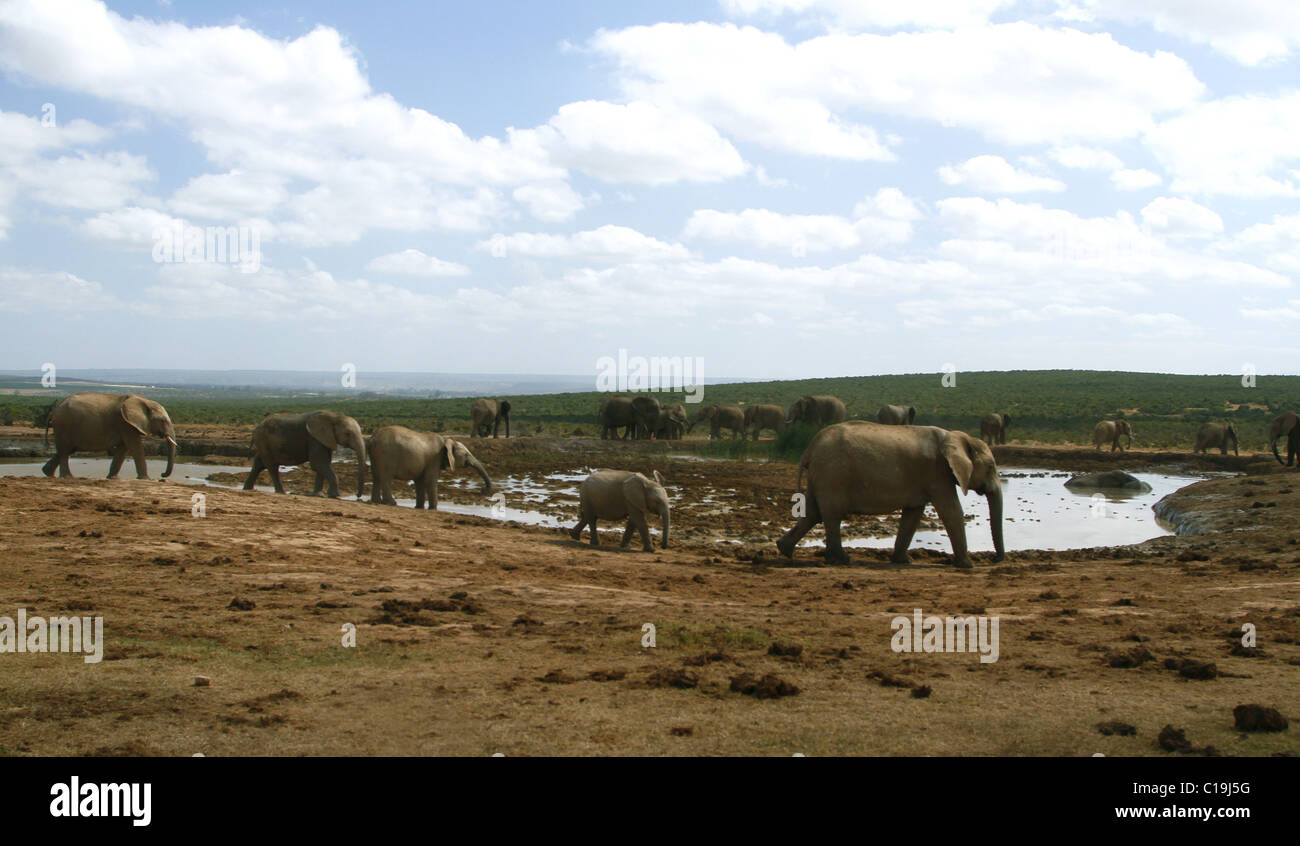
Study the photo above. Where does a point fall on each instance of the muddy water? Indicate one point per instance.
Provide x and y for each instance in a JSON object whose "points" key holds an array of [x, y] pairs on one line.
{"points": [[1041, 513]]}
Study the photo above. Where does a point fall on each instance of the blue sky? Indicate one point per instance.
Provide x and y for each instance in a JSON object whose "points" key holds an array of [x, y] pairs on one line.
{"points": [[784, 188]]}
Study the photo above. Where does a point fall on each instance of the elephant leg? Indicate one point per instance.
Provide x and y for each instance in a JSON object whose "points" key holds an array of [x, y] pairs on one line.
{"points": [[274, 471], [906, 531], [119, 456], [576, 531], [137, 453], [254, 472], [595, 539], [319, 458], [48, 467], [948, 504], [431, 487], [627, 533], [642, 526], [64, 469], [834, 542], [812, 516]]}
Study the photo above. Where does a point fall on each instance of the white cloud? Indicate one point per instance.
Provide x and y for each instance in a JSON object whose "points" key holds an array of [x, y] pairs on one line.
{"points": [[27, 291], [607, 243], [1250, 31], [881, 14], [227, 196], [1093, 158], [130, 227], [1179, 218], [641, 142], [1134, 180], [880, 220], [1017, 83], [412, 262], [1238, 146], [552, 202], [994, 175]]}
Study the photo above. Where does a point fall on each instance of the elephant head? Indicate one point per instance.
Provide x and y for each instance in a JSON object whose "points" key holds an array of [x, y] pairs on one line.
{"points": [[455, 454], [645, 411], [704, 415], [150, 418], [800, 410], [335, 430], [972, 465], [1122, 427], [647, 496]]}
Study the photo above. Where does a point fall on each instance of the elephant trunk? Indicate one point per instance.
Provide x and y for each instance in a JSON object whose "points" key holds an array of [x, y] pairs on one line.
{"points": [[482, 471], [663, 515], [994, 495], [171, 456], [359, 447]]}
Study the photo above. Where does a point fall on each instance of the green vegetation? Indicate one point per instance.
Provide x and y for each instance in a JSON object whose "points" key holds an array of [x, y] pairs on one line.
{"points": [[1046, 406]]}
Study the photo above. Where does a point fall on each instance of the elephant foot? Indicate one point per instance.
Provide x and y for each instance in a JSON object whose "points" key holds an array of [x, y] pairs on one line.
{"points": [[786, 547], [576, 534], [999, 557], [647, 549], [900, 559], [836, 558], [963, 563]]}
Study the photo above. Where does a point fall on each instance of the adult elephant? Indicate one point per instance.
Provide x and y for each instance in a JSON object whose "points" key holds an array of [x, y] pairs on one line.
{"points": [[721, 417], [1292, 445], [1211, 435], [871, 468], [672, 422], [635, 415], [397, 452], [288, 438], [993, 428], [113, 423], [487, 415], [1282, 427], [896, 415], [817, 410], [1109, 432], [760, 417]]}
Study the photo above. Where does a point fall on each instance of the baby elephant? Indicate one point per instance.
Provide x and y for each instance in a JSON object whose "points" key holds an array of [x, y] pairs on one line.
{"points": [[619, 494]]}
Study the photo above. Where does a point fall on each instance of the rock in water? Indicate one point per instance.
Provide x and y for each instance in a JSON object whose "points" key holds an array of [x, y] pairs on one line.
{"points": [[1110, 479]]}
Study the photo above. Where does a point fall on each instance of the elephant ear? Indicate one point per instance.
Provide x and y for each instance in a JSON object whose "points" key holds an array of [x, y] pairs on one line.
{"points": [[449, 453], [659, 480], [136, 413], [321, 428], [634, 491], [957, 450]]}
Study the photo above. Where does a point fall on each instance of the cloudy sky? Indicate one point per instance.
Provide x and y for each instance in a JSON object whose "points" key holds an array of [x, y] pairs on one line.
{"points": [[785, 188]]}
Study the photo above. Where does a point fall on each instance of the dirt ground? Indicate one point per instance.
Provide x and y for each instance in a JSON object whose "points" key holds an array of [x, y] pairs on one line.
{"points": [[476, 637]]}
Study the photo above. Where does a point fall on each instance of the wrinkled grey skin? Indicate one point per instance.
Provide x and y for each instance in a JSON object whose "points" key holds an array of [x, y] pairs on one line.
{"points": [[112, 423], [1109, 432], [993, 428], [1211, 435], [1282, 426], [672, 422], [397, 452], [760, 417], [721, 417], [1292, 445], [618, 495], [873, 468], [487, 415], [637, 416], [289, 439], [817, 410], [896, 415], [1110, 479]]}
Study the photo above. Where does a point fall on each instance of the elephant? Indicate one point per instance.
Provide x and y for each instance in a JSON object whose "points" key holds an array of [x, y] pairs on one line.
{"points": [[1292, 445], [759, 417], [721, 417], [817, 411], [993, 428], [672, 422], [1109, 431], [115, 423], [1284, 425], [397, 452], [872, 468], [290, 438], [637, 415], [896, 415], [1216, 435], [487, 415], [619, 494]]}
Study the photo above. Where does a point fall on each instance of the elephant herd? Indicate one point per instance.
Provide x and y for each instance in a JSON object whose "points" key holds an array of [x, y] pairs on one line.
{"points": [[849, 467]]}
